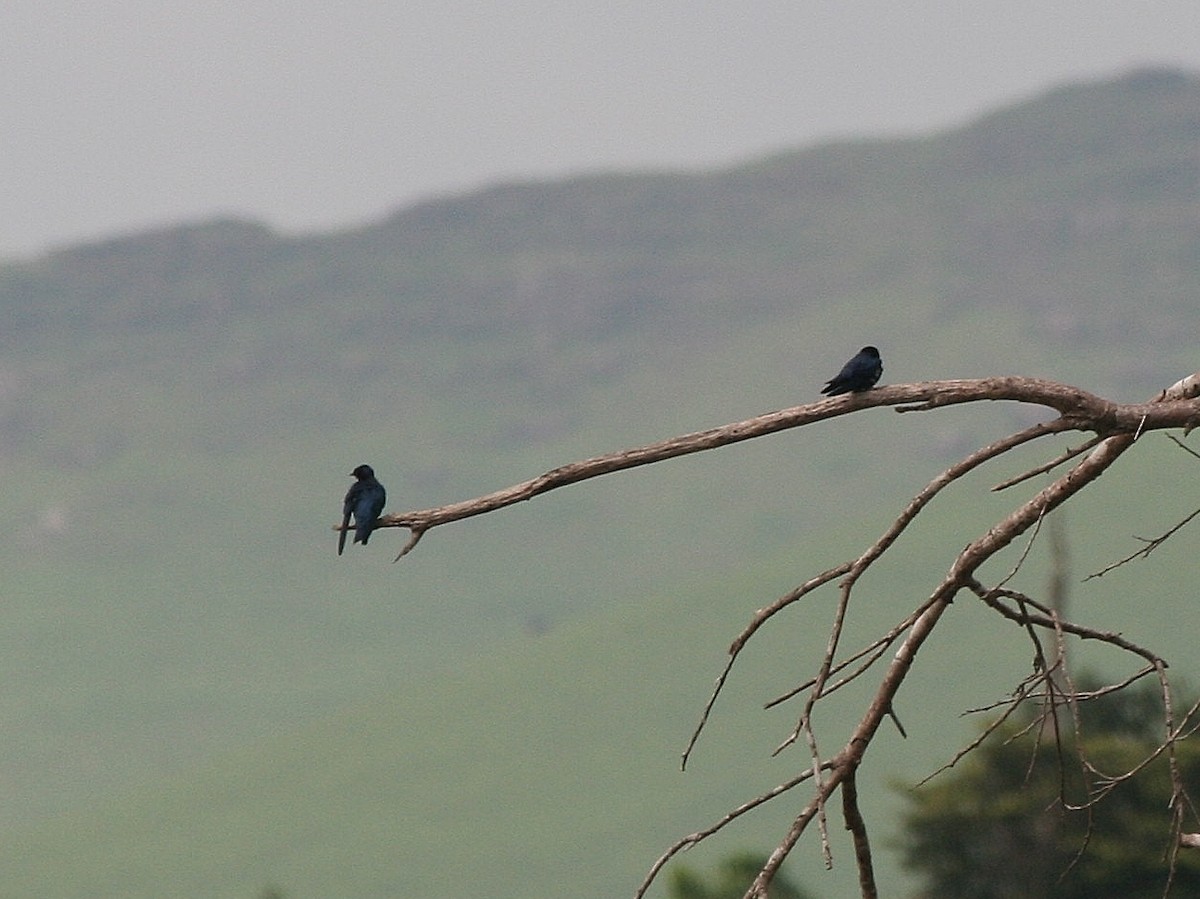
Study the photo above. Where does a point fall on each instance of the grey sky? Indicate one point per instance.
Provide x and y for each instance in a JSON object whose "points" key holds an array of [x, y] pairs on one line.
{"points": [[121, 114]]}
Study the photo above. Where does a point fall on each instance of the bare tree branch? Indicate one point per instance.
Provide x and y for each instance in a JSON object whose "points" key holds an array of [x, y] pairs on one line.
{"points": [[1082, 411], [694, 838], [1113, 427], [1152, 543], [1066, 456], [858, 830]]}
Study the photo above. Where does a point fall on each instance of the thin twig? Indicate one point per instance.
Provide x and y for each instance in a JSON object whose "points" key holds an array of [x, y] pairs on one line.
{"points": [[1011, 705], [760, 618], [1066, 456], [1045, 619], [694, 838], [1183, 446], [1152, 543]]}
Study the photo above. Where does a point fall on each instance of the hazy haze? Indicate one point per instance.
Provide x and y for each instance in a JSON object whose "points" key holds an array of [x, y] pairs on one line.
{"points": [[121, 114]]}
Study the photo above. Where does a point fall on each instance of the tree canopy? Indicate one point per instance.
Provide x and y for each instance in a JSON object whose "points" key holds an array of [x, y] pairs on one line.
{"points": [[1020, 817]]}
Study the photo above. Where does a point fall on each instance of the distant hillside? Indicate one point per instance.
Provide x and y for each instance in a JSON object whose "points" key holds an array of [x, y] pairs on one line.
{"points": [[179, 410], [1073, 199]]}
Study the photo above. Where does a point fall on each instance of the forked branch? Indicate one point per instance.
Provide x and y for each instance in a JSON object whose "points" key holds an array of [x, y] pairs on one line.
{"points": [[1078, 410], [1112, 428]]}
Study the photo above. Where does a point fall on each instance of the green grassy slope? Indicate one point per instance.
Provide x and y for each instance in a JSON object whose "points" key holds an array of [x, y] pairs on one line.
{"points": [[552, 759], [178, 411]]}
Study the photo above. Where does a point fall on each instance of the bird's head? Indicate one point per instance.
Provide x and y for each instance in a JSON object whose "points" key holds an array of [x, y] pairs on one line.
{"points": [[363, 472]]}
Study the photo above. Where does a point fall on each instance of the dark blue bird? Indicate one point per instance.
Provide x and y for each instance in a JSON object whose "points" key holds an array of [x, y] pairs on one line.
{"points": [[364, 500], [859, 374]]}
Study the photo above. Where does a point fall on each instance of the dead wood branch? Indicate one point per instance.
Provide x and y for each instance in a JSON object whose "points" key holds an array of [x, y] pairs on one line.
{"points": [[1079, 409], [1114, 428]]}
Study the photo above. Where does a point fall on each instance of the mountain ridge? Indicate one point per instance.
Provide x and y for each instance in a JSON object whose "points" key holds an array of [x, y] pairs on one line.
{"points": [[585, 254]]}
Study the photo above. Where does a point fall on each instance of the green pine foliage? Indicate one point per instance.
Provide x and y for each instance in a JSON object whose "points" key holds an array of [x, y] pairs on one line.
{"points": [[997, 825], [730, 880]]}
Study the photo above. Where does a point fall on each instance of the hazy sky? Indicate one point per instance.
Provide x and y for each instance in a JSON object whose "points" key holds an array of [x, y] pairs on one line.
{"points": [[116, 115]]}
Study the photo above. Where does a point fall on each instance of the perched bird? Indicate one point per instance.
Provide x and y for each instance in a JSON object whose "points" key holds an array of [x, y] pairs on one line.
{"points": [[364, 500], [859, 374]]}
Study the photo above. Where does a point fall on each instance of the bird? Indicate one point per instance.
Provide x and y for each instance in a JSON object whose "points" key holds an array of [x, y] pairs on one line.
{"points": [[861, 373], [364, 500]]}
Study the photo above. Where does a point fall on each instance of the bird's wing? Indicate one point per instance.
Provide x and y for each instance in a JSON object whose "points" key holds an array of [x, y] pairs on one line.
{"points": [[348, 505], [367, 511], [345, 530], [838, 381]]}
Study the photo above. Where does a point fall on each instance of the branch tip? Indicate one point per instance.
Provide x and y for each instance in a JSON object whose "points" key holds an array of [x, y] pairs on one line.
{"points": [[415, 536]]}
